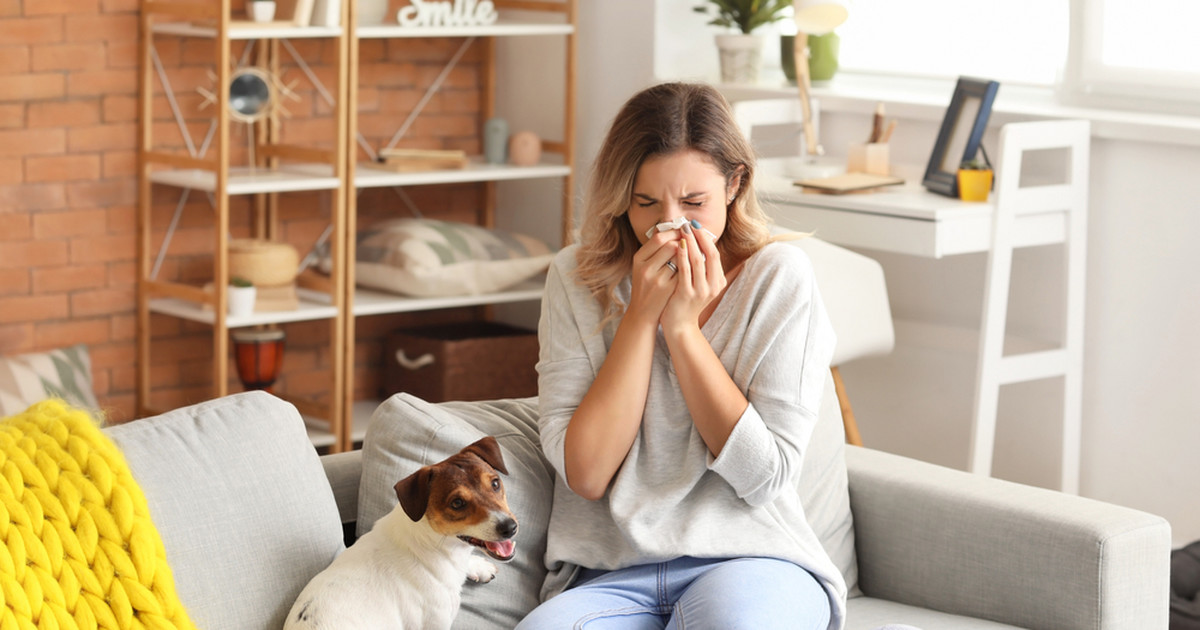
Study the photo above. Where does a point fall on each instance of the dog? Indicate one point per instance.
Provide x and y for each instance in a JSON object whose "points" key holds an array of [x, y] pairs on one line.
{"points": [[408, 571]]}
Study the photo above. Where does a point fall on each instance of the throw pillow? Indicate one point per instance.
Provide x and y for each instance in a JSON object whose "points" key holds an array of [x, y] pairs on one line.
{"points": [[80, 549], [242, 503], [65, 373], [407, 433], [432, 258]]}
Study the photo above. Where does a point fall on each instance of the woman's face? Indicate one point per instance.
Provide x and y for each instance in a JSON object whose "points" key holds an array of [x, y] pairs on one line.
{"points": [[682, 184]]}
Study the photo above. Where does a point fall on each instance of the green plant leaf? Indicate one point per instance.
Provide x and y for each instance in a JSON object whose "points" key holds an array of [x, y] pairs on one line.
{"points": [[746, 15]]}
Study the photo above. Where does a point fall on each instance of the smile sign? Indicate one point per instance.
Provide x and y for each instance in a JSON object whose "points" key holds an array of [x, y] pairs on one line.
{"points": [[448, 13]]}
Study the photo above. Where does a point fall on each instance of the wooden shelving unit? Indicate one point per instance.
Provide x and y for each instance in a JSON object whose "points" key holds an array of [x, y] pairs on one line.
{"points": [[281, 170], [365, 303], [277, 170]]}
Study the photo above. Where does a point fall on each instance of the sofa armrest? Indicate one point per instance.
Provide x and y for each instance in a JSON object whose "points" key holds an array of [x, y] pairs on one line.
{"points": [[960, 543], [343, 471]]}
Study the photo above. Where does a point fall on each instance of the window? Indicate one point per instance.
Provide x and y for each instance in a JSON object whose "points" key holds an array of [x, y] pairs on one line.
{"points": [[1135, 54], [1015, 41]]}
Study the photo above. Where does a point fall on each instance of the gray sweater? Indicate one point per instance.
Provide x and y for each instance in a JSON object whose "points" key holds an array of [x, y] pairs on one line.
{"points": [[670, 497]]}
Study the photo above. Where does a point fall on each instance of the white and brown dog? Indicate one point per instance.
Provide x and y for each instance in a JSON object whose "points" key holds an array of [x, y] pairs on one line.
{"points": [[408, 571]]}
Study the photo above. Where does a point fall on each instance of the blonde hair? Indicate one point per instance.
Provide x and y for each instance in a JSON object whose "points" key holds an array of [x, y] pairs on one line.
{"points": [[663, 120]]}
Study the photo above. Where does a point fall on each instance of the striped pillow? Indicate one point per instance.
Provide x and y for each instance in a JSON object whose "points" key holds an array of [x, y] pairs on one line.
{"points": [[65, 373], [432, 258]]}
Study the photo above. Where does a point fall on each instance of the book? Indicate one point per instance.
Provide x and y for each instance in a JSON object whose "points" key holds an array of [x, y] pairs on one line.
{"points": [[849, 182], [303, 13], [327, 13], [411, 160], [404, 160]]}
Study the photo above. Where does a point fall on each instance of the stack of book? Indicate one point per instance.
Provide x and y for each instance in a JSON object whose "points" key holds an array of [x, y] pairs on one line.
{"points": [[404, 160]]}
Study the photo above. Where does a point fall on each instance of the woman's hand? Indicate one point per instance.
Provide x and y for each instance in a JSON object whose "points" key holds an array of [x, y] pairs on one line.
{"points": [[700, 280], [653, 280]]}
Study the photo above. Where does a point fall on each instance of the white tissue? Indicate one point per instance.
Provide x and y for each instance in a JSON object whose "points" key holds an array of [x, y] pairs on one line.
{"points": [[666, 225]]}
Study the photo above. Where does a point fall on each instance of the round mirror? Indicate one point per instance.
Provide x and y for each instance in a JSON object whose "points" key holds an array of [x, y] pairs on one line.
{"points": [[249, 95]]}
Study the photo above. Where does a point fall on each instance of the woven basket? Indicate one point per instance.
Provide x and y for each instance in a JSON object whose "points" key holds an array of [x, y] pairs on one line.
{"points": [[468, 361], [265, 263]]}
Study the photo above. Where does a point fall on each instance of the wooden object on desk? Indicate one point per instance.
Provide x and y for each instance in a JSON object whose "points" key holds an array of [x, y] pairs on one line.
{"points": [[848, 183], [869, 157]]}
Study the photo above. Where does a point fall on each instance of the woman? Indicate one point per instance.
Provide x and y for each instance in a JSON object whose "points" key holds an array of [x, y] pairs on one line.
{"points": [[680, 375]]}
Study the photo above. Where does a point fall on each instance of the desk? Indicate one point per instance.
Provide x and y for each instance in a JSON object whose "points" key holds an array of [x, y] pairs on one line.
{"points": [[907, 219]]}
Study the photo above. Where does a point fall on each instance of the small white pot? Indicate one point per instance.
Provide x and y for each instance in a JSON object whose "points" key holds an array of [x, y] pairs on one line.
{"points": [[372, 12], [741, 57], [241, 301], [261, 10]]}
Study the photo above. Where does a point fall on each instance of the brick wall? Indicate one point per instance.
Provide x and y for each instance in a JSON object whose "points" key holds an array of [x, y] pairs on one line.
{"points": [[68, 189]]}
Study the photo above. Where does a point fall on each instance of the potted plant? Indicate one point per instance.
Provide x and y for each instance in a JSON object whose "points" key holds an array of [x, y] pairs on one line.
{"points": [[242, 296], [974, 180], [261, 10], [741, 52]]}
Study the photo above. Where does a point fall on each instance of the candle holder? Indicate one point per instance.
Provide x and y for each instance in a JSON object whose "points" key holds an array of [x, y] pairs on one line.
{"points": [[259, 357]]}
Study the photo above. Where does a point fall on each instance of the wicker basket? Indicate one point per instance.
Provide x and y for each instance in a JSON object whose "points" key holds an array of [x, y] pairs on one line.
{"points": [[471, 361], [265, 263]]}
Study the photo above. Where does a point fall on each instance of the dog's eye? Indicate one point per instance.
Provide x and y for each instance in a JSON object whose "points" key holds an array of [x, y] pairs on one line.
{"points": [[496, 484], [458, 504]]}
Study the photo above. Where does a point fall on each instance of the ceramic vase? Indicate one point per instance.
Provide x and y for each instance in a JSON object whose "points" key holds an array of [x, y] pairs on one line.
{"points": [[372, 12], [495, 141], [822, 56], [741, 57], [261, 10]]}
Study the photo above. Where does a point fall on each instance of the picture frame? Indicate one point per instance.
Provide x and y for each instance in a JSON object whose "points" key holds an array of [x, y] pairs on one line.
{"points": [[961, 133]]}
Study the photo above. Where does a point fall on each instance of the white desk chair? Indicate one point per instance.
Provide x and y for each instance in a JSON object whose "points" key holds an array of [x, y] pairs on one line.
{"points": [[1014, 205], [855, 296], [772, 125]]}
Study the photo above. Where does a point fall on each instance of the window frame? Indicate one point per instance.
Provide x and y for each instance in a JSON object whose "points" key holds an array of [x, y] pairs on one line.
{"points": [[1087, 81]]}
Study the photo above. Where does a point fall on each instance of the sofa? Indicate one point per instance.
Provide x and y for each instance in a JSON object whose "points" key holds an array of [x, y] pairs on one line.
{"points": [[248, 512]]}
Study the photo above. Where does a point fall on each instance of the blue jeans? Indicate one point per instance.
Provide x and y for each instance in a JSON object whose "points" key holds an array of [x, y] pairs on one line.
{"points": [[689, 594]]}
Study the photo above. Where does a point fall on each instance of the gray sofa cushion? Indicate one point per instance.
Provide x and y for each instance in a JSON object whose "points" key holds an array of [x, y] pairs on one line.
{"points": [[406, 433], [869, 613], [242, 503]]}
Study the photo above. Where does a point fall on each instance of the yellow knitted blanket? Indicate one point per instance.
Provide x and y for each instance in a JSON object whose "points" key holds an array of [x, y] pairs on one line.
{"points": [[79, 548]]}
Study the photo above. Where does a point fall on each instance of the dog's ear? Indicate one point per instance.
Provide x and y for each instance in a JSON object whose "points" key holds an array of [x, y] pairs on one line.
{"points": [[488, 450], [413, 493]]}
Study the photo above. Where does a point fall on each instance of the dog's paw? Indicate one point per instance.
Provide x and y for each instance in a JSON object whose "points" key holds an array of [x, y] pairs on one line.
{"points": [[480, 570]]}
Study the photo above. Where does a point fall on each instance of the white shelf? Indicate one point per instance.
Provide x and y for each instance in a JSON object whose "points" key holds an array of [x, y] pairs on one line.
{"points": [[243, 30], [368, 176], [499, 29], [244, 180], [367, 302], [313, 305], [361, 412]]}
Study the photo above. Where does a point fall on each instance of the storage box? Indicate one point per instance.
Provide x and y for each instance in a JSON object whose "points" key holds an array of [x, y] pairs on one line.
{"points": [[468, 361]]}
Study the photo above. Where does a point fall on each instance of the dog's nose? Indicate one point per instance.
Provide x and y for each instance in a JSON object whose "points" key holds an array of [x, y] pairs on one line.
{"points": [[507, 528]]}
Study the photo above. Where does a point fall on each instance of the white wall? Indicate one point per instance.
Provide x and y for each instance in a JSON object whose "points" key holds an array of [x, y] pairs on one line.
{"points": [[1142, 353]]}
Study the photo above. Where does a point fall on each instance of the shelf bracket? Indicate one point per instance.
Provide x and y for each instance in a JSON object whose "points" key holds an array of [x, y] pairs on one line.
{"points": [[429, 92]]}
